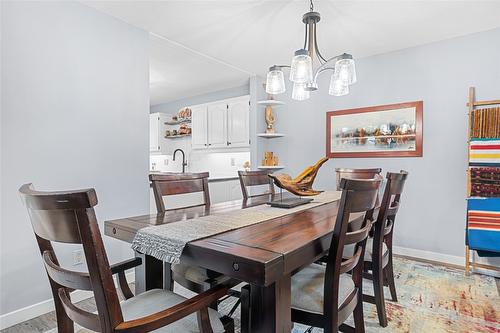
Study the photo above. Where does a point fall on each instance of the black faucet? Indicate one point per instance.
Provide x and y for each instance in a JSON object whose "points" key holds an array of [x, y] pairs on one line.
{"points": [[184, 163]]}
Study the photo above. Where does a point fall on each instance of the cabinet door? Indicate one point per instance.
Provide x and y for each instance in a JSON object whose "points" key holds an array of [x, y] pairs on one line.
{"points": [[238, 123], [217, 125], [154, 132], [199, 126]]}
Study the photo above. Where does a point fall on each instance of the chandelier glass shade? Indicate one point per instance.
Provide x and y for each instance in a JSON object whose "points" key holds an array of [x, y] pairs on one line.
{"points": [[275, 83], [301, 70], [299, 93], [308, 62], [338, 87]]}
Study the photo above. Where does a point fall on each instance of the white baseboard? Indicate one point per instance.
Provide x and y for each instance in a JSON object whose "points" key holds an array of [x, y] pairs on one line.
{"points": [[38, 309], [444, 258], [428, 255]]}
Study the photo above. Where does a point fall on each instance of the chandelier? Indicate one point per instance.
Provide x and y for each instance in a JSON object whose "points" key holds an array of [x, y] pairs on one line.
{"points": [[302, 72]]}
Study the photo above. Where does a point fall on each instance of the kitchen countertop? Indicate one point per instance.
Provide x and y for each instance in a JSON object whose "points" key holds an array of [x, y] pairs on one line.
{"points": [[216, 178]]}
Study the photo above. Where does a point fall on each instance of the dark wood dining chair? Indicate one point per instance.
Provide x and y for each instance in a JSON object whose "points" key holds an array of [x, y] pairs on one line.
{"points": [[169, 184], [347, 173], [69, 217], [378, 255], [325, 296], [194, 278], [255, 178]]}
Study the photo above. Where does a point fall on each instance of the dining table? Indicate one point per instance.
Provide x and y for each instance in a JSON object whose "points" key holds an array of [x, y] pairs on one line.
{"points": [[264, 255]]}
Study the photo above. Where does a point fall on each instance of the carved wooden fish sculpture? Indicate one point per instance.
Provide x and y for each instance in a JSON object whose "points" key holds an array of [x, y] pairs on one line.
{"points": [[302, 184]]}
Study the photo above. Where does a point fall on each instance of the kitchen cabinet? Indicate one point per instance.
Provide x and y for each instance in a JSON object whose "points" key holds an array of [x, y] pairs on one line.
{"points": [[220, 191], [157, 141], [199, 126], [224, 190], [221, 124], [217, 125], [238, 122]]}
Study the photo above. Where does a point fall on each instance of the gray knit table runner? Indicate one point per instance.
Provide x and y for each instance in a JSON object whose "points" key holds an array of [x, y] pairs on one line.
{"points": [[166, 242]]}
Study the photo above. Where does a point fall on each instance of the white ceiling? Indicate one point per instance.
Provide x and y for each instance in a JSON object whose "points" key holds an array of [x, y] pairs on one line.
{"points": [[252, 35]]}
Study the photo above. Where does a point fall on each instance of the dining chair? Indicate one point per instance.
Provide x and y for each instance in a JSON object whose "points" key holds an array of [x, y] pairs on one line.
{"points": [[194, 278], [69, 217], [171, 184], [255, 178], [370, 173], [325, 296], [378, 254]]}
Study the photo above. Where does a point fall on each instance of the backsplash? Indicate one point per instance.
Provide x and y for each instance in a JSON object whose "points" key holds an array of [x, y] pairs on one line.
{"points": [[218, 164]]}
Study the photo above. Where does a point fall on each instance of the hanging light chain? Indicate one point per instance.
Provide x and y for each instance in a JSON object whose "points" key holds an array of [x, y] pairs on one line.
{"points": [[311, 7]]}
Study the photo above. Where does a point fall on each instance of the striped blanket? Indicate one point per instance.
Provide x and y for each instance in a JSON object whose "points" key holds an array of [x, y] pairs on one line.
{"points": [[484, 152], [483, 224]]}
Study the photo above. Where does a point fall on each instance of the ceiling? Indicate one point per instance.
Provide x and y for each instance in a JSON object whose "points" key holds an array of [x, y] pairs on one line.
{"points": [[215, 44]]}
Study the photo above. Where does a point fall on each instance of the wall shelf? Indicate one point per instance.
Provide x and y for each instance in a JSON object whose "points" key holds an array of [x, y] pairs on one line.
{"points": [[271, 167], [177, 136], [271, 102], [270, 135], [178, 122]]}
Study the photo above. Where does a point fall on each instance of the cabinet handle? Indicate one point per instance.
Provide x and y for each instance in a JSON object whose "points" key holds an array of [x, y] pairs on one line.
{"points": [[228, 143]]}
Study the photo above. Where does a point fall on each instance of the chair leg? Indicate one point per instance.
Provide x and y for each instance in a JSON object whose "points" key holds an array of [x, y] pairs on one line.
{"points": [[378, 289], [359, 321], [389, 273], [204, 321]]}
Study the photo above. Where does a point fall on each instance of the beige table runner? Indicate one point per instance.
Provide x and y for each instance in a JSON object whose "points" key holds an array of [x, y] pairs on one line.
{"points": [[166, 242]]}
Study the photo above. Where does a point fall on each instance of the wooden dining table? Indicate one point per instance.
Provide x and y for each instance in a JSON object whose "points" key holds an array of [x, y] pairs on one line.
{"points": [[264, 255]]}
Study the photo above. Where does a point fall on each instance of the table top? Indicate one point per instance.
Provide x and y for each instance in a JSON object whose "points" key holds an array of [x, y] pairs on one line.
{"points": [[260, 253]]}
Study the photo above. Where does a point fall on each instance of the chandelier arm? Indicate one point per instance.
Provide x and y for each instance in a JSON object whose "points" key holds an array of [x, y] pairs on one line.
{"points": [[321, 70], [305, 39], [317, 48]]}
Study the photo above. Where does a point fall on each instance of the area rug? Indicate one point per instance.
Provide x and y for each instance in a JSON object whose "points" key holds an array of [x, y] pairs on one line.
{"points": [[432, 299]]}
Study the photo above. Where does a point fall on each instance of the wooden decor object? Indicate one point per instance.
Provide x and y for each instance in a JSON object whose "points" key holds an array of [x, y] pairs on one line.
{"points": [[270, 159], [269, 120], [302, 184], [483, 212]]}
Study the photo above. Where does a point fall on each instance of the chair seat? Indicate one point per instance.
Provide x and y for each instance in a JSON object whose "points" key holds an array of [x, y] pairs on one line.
{"points": [[349, 249], [198, 274], [369, 248], [156, 300], [308, 286]]}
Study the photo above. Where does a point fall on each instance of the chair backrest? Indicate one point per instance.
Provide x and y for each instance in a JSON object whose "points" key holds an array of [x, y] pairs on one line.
{"points": [[167, 184], [255, 178], [389, 207], [358, 197], [357, 174], [69, 217]]}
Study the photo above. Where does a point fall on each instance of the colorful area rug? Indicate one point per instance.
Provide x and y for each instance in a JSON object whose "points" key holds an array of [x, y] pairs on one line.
{"points": [[435, 299]]}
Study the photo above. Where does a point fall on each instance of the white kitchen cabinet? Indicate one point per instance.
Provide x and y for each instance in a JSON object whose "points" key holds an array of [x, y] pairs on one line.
{"points": [[238, 122], [199, 126], [224, 190], [217, 125], [221, 124], [157, 141]]}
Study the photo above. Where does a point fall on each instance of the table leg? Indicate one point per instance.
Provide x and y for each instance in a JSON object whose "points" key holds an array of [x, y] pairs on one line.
{"points": [[152, 274], [270, 307]]}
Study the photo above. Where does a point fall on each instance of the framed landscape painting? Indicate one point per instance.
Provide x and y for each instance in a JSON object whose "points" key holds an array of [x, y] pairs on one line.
{"points": [[393, 130]]}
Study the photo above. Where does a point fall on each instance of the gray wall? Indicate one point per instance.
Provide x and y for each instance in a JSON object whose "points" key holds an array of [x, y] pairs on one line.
{"points": [[74, 114], [433, 211], [174, 106]]}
